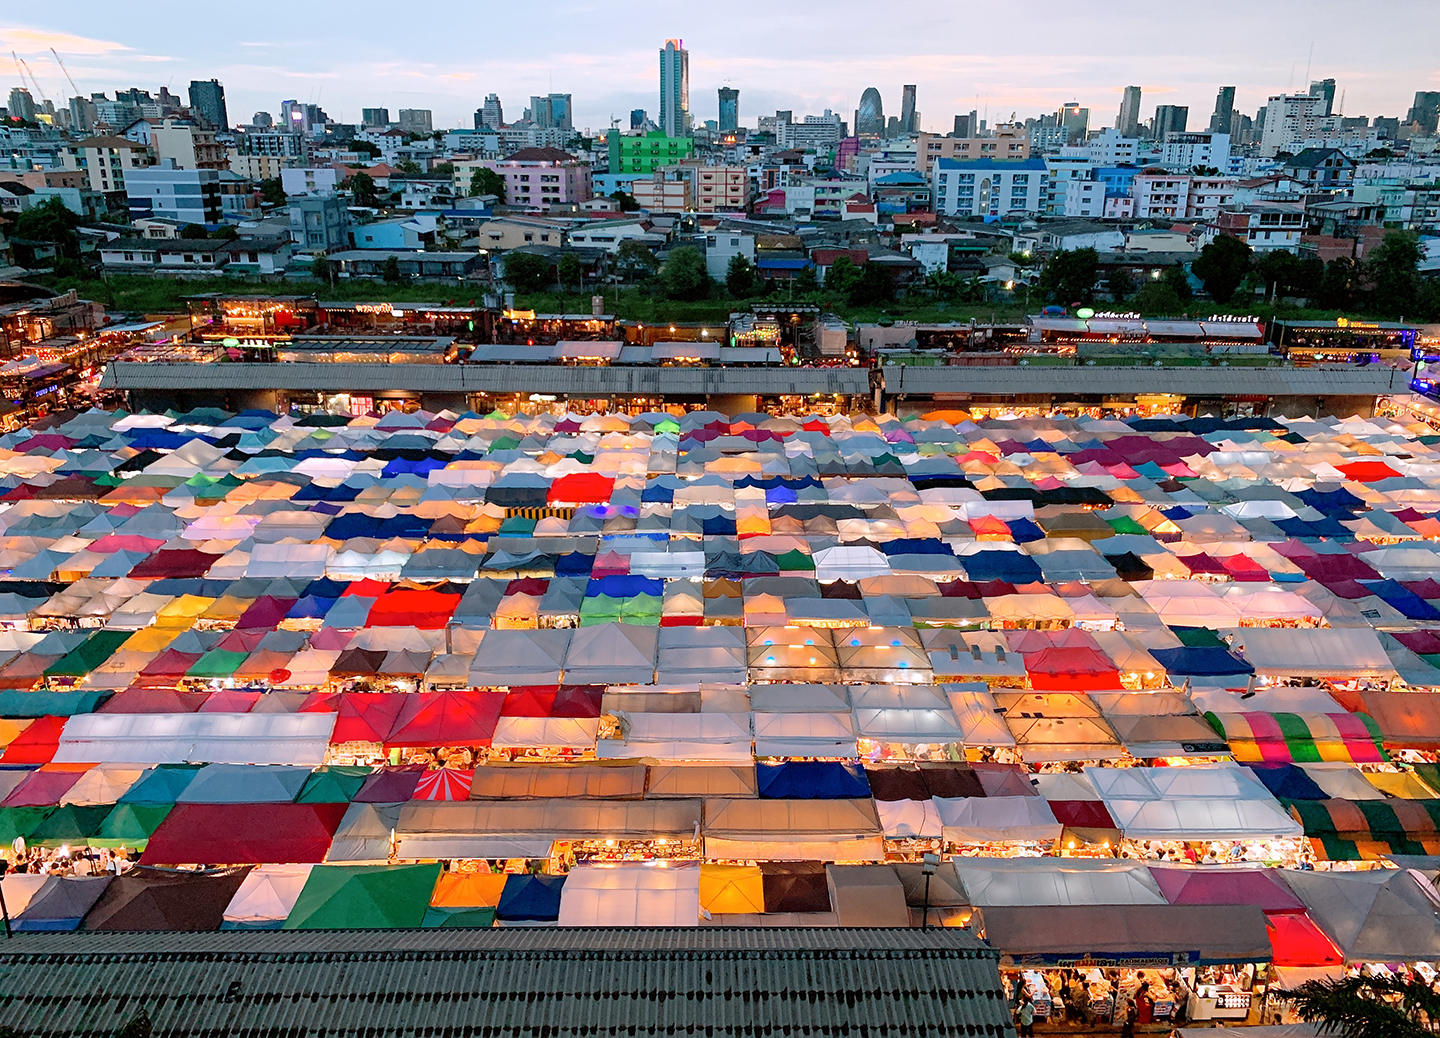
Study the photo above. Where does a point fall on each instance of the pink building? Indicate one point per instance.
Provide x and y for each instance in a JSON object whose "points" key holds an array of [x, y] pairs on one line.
{"points": [[543, 176]]}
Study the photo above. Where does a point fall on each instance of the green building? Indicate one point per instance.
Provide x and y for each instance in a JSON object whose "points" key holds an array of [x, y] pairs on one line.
{"points": [[648, 152]]}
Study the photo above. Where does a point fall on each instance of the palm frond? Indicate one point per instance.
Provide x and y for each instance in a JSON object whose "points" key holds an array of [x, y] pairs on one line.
{"points": [[1369, 1007]]}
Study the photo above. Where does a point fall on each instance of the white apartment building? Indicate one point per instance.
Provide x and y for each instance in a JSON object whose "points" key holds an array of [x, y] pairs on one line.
{"points": [[1072, 164], [1290, 120], [1183, 151], [663, 192], [106, 160], [721, 247], [1166, 196], [309, 181], [721, 188], [1112, 148], [1085, 198]]}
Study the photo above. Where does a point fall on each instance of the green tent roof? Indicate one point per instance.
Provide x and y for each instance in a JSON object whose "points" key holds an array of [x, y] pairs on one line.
{"points": [[163, 784], [19, 821], [475, 918], [217, 663], [88, 655], [334, 784], [130, 825], [364, 897], [69, 824]]}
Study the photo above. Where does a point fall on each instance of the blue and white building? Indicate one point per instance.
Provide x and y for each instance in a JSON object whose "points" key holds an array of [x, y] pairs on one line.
{"points": [[987, 188]]}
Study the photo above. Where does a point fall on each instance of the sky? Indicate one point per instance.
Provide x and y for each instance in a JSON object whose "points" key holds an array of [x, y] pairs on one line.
{"points": [[801, 55]]}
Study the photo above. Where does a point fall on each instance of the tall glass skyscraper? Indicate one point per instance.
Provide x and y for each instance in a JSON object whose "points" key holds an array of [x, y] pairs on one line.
{"points": [[207, 100], [675, 89], [729, 109]]}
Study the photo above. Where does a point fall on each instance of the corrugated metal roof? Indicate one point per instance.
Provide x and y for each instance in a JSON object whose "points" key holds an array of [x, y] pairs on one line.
{"points": [[1189, 381], [476, 378], [494, 983]]}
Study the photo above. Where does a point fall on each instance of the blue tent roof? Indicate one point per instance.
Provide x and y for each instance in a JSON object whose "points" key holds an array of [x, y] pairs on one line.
{"points": [[812, 780], [533, 899], [1288, 782], [1206, 661]]}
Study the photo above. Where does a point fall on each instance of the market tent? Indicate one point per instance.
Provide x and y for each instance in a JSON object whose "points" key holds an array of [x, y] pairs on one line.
{"points": [[694, 654], [812, 780], [829, 830], [1378, 916], [797, 734], [1315, 652], [61, 903], [164, 899], [1202, 802], [1057, 726], [700, 780], [1300, 738], [1066, 934], [1220, 885], [703, 737], [526, 828], [498, 781], [244, 833], [997, 818], [1297, 941], [520, 658], [365, 834], [731, 889], [451, 718], [1407, 720], [1057, 881], [364, 897], [176, 738], [265, 897], [904, 714], [611, 654], [867, 895], [531, 899], [630, 895]]}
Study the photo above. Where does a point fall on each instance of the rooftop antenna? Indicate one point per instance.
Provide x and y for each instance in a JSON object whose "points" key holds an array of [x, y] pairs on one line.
{"points": [[1308, 59], [1342, 103], [66, 71]]}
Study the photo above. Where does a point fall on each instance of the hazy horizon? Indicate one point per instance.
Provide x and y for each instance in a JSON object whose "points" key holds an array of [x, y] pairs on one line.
{"points": [[961, 56]]}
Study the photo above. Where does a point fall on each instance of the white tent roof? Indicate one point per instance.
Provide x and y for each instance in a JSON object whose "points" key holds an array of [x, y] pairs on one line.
{"points": [[630, 895], [267, 894], [906, 819], [1203, 802], [714, 654], [300, 561], [681, 737], [520, 658], [1318, 652], [1057, 881], [216, 738], [790, 830], [562, 732], [985, 819], [612, 654], [804, 735]]}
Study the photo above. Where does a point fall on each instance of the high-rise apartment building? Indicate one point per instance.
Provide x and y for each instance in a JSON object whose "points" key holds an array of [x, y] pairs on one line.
{"points": [[675, 89], [909, 118], [551, 112], [375, 118], [1425, 110], [1169, 119], [1324, 88], [207, 103], [1128, 121], [638, 117], [1224, 112], [1074, 119], [1289, 121], [22, 105], [729, 109], [414, 120]]}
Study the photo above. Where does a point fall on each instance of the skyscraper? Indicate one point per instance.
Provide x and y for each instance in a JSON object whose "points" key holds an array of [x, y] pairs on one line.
{"points": [[1324, 88], [22, 105], [378, 118], [551, 112], [207, 101], [1425, 110], [1128, 122], [1169, 119], [729, 109], [1075, 119], [870, 116], [909, 118], [1224, 110], [491, 114], [675, 89], [967, 125], [637, 118]]}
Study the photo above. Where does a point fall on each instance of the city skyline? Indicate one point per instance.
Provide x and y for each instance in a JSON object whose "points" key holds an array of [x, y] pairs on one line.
{"points": [[412, 66]]}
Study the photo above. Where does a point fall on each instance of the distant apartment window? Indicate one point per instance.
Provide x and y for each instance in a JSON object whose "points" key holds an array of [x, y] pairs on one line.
{"points": [[529, 237], [129, 257], [189, 257]]}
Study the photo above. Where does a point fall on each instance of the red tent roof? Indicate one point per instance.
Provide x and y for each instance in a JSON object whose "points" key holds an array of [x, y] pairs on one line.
{"points": [[1262, 888], [1075, 669], [577, 701], [457, 718], [154, 701], [244, 834], [1082, 814], [36, 744], [45, 787], [444, 784], [361, 716], [409, 607], [1367, 471], [538, 701], [175, 562], [1297, 941], [581, 488]]}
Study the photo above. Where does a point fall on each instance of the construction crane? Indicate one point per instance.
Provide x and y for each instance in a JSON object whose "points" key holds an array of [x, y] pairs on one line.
{"points": [[24, 70], [66, 71]]}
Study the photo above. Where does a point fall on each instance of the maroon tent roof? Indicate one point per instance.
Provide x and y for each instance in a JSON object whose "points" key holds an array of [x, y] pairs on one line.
{"points": [[244, 834]]}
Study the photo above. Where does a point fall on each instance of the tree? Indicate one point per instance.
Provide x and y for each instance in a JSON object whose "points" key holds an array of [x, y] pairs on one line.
{"points": [[320, 269], [1337, 284], [226, 232], [1370, 1007], [1070, 276], [1392, 269], [628, 204], [806, 281], [684, 276], [1157, 298], [527, 272], [842, 276], [391, 272], [1204, 171], [487, 182], [1283, 274], [1120, 284], [51, 221], [740, 277], [362, 189], [875, 285], [1178, 282], [443, 169], [634, 260], [271, 193], [365, 148], [194, 231], [1221, 266], [569, 271], [409, 167]]}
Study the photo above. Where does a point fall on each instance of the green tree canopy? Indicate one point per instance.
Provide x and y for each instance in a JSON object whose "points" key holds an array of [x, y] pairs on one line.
{"points": [[1174, 276], [362, 188], [876, 284], [1337, 285], [842, 275], [487, 182], [684, 276], [52, 221], [1392, 269], [272, 193], [391, 270], [569, 271], [1222, 266], [740, 277], [320, 268], [1120, 284], [528, 273], [1070, 276], [628, 204], [194, 231], [634, 260], [806, 281]]}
